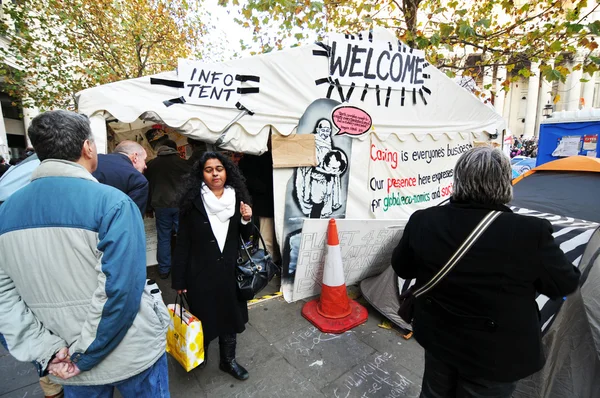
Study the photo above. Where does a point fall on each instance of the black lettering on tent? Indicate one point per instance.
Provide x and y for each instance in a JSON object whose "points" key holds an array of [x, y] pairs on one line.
{"points": [[336, 62], [202, 88], [368, 65], [193, 74], [228, 91], [215, 76], [418, 71], [230, 81], [355, 60], [379, 75], [216, 94], [397, 56], [409, 67], [203, 76], [193, 86]]}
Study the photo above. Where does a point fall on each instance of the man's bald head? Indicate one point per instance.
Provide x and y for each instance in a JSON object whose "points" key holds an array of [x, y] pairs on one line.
{"points": [[135, 152]]}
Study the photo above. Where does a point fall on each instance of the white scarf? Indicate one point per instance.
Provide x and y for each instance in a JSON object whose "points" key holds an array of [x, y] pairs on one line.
{"points": [[223, 208]]}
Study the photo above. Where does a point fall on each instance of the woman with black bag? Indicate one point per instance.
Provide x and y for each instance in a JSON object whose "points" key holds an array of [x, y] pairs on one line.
{"points": [[213, 215], [474, 309]]}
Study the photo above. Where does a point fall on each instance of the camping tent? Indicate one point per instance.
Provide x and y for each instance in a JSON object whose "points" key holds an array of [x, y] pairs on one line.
{"points": [[565, 192], [354, 114]]}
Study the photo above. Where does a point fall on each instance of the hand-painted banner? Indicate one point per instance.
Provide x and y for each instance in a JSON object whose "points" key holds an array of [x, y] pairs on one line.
{"points": [[405, 176], [366, 249], [206, 84], [376, 63]]}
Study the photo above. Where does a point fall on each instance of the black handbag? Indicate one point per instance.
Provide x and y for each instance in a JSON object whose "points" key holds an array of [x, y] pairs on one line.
{"points": [[254, 269], [409, 297]]}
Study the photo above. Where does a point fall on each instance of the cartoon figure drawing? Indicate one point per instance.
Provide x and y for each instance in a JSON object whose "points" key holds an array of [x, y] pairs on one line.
{"points": [[319, 188]]}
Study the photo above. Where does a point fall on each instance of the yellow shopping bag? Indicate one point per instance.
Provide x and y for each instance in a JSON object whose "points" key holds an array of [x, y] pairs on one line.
{"points": [[185, 341]]}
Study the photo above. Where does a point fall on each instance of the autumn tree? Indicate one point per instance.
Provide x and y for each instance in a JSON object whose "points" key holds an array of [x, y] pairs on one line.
{"points": [[509, 33], [59, 47]]}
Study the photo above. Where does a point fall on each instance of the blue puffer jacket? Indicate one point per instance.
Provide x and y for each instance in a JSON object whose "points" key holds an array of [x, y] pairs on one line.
{"points": [[73, 273]]}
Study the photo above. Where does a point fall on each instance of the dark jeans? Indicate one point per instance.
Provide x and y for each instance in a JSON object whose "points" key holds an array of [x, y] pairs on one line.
{"points": [[167, 220], [444, 381], [151, 383]]}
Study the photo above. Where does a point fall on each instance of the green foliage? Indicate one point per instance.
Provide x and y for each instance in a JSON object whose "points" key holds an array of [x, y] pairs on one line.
{"points": [[505, 35], [59, 47]]}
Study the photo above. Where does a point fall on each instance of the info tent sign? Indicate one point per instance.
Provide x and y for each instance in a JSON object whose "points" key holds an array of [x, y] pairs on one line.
{"points": [[209, 84], [408, 175]]}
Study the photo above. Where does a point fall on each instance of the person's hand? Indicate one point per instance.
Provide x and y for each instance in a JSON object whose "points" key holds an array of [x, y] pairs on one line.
{"points": [[64, 370], [61, 365], [246, 211], [182, 291]]}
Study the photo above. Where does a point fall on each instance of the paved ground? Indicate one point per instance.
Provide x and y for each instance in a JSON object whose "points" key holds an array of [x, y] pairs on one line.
{"points": [[286, 357]]}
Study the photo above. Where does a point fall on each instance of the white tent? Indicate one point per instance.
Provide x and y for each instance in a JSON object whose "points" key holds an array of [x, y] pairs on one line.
{"points": [[287, 86], [416, 124]]}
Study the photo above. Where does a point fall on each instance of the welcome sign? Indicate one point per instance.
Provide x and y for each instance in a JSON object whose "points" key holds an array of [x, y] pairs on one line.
{"points": [[376, 63]]}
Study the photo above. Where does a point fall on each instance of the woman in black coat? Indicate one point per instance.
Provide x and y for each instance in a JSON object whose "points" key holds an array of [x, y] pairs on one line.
{"points": [[480, 325], [213, 214]]}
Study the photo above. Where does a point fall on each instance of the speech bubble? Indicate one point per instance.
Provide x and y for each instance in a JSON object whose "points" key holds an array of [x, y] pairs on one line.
{"points": [[351, 120]]}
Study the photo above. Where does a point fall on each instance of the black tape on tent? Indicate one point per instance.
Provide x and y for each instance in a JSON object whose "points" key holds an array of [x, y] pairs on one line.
{"points": [[414, 96], [377, 94], [422, 96], [360, 36], [320, 53], [166, 82], [426, 76], [371, 35], [387, 97], [241, 107], [340, 89], [247, 78], [248, 90], [364, 93], [324, 80], [428, 91], [350, 91], [174, 101], [402, 100]]}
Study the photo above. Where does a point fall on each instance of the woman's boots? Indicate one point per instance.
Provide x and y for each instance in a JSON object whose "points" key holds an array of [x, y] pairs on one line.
{"points": [[228, 363]]}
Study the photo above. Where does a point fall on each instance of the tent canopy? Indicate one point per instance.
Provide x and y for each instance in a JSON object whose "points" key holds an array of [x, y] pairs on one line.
{"points": [[289, 81], [569, 187]]}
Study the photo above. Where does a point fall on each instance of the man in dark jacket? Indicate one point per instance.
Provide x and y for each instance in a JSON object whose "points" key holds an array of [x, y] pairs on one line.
{"points": [[198, 149], [3, 166], [164, 175], [258, 171], [480, 325], [123, 170]]}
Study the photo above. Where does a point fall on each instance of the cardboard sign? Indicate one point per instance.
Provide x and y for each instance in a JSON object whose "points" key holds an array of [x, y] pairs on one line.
{"points": [[366, 247], [208, 84], [590, 142], [405, 176], [151, 241], [386, 64], [297, 150]]}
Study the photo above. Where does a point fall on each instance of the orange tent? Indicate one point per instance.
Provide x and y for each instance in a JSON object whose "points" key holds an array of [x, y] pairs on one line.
{"points": [[571, 163]]}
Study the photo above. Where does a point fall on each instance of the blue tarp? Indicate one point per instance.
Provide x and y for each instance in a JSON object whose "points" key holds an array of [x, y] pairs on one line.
{"points": [[551, 133]]}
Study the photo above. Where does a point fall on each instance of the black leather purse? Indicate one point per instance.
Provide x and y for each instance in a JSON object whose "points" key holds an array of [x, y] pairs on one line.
{"points": [[409, 297], [255, 269]]}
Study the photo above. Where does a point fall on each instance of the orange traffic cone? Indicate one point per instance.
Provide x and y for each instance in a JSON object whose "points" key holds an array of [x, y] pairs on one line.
{"points": [[334, 312]]}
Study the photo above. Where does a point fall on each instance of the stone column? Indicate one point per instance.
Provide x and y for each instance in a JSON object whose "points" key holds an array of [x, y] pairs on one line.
{"points": [[28, 115], [573, 88], [500, 94], [545, 97], [588, 90], [3, 139], [98, 124], [532, 101]]}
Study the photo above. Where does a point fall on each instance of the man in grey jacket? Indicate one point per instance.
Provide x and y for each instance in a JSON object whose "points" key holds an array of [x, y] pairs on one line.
{"points": [[73, 273]]}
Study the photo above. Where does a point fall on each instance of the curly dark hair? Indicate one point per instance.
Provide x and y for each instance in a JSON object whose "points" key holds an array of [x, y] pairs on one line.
{"points": [[192, 182]]}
